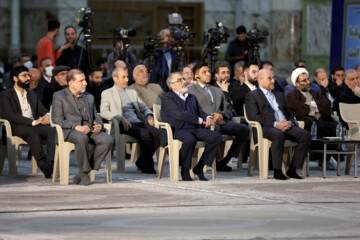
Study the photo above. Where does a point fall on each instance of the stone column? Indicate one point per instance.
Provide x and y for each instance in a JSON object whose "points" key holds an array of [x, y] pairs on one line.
{"points": [[15, 47]]}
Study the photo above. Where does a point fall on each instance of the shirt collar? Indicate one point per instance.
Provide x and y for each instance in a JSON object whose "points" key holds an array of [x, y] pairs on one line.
{"points": [[252, 87], [264, 90], [18, 93], [182, 96]]}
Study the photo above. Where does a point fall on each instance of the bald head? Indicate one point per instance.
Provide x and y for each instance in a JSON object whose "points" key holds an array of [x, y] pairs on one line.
{"points": [[266, 79], [120, 64], [35, 77]]}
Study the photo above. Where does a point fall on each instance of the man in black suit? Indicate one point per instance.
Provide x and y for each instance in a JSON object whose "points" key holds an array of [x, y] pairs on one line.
{"points": [[238, 93], [270, 111], [29, 119], [350, 93], [183, 112]]}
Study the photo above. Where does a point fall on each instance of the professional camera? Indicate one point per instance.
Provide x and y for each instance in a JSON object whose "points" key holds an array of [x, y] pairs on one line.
{"points": [[84, 18], [256, 36], [179, 32], [124, 33], [215, 36], [152, 43]]}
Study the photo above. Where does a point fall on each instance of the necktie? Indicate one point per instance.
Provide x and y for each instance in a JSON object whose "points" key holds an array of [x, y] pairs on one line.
{"points": [[206, 88]]}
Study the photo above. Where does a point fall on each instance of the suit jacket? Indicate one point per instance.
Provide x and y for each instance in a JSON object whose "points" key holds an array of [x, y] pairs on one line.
{"points": [[66, 113], [348, 96], [45, 91], [295, 101], [259, 109], [156, 88], [11, 109], [111, 105], [238, 98], [173, 110], [220, 105]]}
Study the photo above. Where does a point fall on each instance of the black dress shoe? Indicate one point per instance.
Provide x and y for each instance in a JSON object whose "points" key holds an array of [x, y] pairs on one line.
{"points": [[293, 174], [279, 175], [223, 168], [198, 170], [47, 169], [144, 168], [185, 175], [77, 178], [84, 179]]}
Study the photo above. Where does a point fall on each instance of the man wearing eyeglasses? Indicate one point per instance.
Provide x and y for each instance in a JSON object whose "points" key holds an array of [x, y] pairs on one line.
{"points": [[311, 106], [29, 119], [189, 123]]}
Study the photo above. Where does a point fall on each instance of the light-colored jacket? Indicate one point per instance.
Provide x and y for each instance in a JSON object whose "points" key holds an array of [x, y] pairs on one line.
{"points": [[111, 105]]}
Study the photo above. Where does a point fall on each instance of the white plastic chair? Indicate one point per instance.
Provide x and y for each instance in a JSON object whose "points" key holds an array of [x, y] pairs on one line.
{"points": [[62, 158], [173, 149], [120, 145], [11, 150], [263, 146]]}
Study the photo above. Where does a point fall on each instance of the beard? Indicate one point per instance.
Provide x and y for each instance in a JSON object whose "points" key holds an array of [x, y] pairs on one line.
{"points": [[252, 81], [24, 85]]}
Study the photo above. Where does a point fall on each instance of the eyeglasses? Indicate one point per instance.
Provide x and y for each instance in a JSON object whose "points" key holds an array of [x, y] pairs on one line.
{"points": [[178, 80], [305, 80], [25, 75]]}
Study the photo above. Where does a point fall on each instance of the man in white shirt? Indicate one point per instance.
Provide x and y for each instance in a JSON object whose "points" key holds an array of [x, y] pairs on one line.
{"points": [[29, 119]]}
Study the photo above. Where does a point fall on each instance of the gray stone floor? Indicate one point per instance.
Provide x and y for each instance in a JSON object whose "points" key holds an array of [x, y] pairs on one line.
{"points": [[138, 206]]}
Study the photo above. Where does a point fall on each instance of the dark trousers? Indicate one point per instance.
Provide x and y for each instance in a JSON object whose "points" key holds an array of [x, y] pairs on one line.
{"points": [[149, 138], [241, 131], [189, 137], [296, 134], [35, 136], [103, 144]]}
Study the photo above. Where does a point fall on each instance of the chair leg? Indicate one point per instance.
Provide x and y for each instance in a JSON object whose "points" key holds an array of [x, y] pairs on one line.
{"points": [[56, 164], [161, 160], [174, 164], [108, 168], [133, 152], [3, 152], [213, 169], [349, 159], [92, 175], [264, 159], [33, 165], [252, 156], [64, 167], [12, 158], [120, 156]]}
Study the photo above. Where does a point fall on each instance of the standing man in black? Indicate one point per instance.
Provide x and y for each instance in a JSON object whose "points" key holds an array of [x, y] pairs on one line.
{"points": [[269, 109], [95, 86], [238, 49], [29, 119], [73, 56]]}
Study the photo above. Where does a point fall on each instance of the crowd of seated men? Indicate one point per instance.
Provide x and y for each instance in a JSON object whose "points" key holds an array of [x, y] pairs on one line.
{"points": [[196, 104]]}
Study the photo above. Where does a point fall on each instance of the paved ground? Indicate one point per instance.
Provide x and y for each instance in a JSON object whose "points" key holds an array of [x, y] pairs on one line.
{"points": [[138, 206]]}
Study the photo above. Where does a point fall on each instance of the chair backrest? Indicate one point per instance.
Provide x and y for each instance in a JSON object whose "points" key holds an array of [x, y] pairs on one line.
{"points": [[350, 113], [156, 112], [58, 128]]}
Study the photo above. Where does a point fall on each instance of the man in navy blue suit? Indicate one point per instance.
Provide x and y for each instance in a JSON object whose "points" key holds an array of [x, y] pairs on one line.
{"points": [[189, 123]]}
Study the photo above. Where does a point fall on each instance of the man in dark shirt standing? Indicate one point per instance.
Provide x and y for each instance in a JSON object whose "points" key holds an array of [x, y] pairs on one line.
{"points": [[74, 56], [95, 87], [237, 49]]}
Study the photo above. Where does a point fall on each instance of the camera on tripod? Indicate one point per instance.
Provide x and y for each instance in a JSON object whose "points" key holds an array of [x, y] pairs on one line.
{"points": [[179, 32], [84, 18], [255, 36], [216, 36], [124, 33]]}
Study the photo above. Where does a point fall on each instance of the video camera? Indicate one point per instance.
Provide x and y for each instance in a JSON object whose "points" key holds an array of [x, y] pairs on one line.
{"points": [[152, 43], [179, 32], [84, 18], [215, 36], [255, 36]]}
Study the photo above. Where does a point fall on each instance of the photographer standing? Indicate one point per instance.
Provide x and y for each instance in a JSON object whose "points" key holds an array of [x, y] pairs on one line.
{"points": [[237, 49], [165, 60], [73, 56]]}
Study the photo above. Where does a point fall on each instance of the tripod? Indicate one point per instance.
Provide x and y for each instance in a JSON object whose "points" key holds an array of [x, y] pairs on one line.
{"points": [[87, 40]]}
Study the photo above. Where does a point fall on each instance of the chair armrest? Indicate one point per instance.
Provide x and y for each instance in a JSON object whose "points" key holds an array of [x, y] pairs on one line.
{"points": [[301, 124], [7, 125]]}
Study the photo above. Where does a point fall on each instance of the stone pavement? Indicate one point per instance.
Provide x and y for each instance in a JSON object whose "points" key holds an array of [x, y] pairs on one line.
{"points": [[139, 206]]}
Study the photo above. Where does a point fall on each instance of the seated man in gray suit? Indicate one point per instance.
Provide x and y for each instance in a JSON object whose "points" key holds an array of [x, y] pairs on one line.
{"points": [[213, 101], [74, 110], [134, 116]]}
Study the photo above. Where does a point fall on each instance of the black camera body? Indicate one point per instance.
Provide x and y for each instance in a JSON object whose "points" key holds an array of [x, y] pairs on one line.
{"points": [[216, 36], [255, 36], [152, 43], [84, 18], [179, 32]]}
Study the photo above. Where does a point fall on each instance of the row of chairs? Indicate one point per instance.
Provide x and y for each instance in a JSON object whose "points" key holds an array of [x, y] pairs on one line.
{"points": [[63, 149]]}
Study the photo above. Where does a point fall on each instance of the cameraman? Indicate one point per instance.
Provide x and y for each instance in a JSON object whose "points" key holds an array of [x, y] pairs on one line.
{"points": [[165, 60], [237, 49]]}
